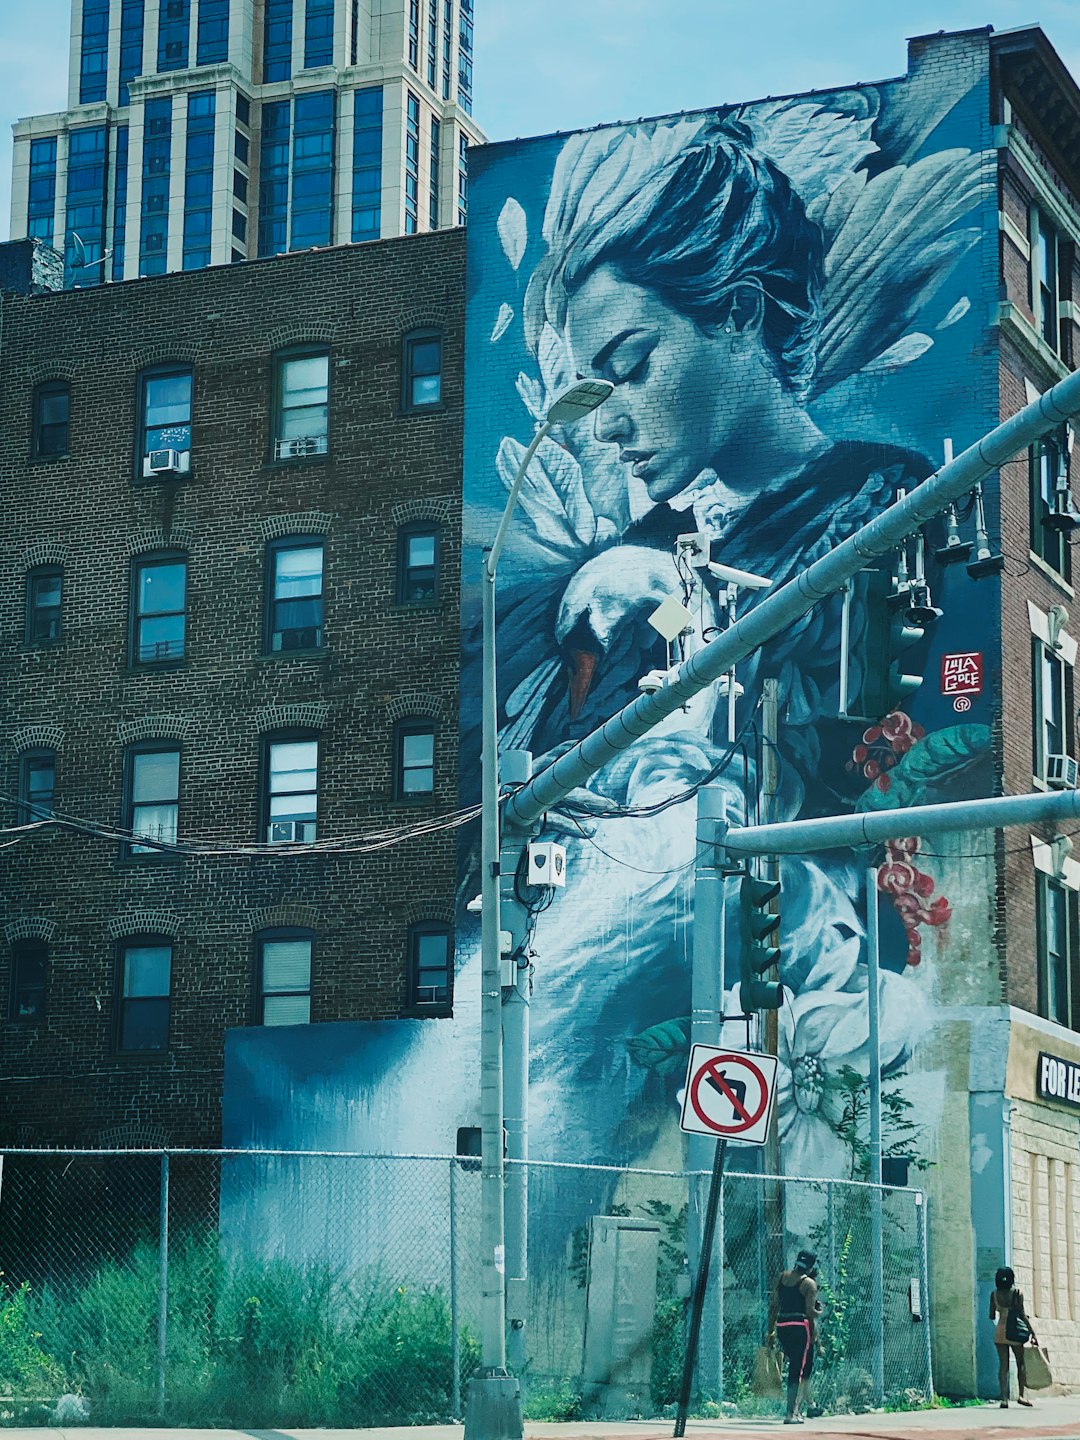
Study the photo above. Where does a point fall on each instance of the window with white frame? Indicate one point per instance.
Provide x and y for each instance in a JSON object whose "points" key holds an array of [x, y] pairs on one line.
{"points": [[302, 405], [1044, 278], [152, 796], [159, 608], [1048, 473], [1057, 925], [165, 407], [414, 759], [430, 964], [294, 618], [1049, 684], [291, 794], [283, 977]]}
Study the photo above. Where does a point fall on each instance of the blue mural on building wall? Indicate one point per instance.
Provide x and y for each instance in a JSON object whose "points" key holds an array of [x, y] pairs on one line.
{"points": [[791, 300]]}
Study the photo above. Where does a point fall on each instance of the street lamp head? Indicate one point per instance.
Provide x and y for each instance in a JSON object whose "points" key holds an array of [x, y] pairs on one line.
{"points": [[581, 399]]}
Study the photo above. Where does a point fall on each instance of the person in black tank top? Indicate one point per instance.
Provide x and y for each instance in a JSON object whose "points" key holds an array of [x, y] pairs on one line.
{"points": [[793, 1312]]}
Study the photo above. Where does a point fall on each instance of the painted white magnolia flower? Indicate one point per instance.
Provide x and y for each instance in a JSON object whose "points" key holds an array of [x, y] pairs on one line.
{"points": [[820, 1033]]}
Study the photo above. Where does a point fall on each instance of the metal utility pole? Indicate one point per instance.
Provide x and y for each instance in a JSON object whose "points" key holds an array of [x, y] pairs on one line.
{"points": [[516, 769], [770, 785], [873, 1040], [493, 1407], [781, 608], [708, 982]]}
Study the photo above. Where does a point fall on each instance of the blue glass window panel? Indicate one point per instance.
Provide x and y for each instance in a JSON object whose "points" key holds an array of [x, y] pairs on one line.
{"points": [[155, 187], [432, 42], [312, 162], [277, 40], [412, 160], [433, 175], [198, 185], [120, 201], [274, 178], [318, 33], [314, 107], [174, 28], [42, 155], [196, 225], [201, 104], [42, 190], [95, 51], [132, 20], [367, 164], [212, 38], [85, 210]]}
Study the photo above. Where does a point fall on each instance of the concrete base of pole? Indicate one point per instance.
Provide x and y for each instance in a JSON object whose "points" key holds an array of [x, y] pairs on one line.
{"points": [[493, 1408]]}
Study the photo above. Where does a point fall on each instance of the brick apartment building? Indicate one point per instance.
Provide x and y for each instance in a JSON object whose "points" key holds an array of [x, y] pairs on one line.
{"points": [[230, 542]]}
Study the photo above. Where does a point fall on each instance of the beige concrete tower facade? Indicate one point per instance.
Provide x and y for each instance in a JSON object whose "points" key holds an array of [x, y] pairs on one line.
{"points": [[200, 132]]}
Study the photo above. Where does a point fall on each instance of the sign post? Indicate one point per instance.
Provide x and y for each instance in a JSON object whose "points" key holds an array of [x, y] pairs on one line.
{"points": [[729, 1094]]}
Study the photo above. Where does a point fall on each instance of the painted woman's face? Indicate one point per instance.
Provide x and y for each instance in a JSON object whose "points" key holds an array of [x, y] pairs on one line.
{"points": [[684, 398]]}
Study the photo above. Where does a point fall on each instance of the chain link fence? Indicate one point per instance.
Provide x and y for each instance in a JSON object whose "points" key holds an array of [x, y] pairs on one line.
{"points": [[267, 1290]]}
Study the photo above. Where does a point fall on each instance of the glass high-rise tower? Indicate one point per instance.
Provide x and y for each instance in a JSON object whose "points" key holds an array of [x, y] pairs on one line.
{"points": [[204, 131]]}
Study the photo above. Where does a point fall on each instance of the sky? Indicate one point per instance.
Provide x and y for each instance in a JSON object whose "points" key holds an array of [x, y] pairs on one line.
{"points": [[544, 65]]}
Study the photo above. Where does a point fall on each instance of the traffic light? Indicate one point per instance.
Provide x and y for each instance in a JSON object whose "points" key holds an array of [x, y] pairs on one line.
{"points": [[757, 950], [881, 651]]}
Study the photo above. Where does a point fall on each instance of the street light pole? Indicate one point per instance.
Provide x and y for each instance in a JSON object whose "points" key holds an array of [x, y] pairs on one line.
{"points": [[493, 1407]]}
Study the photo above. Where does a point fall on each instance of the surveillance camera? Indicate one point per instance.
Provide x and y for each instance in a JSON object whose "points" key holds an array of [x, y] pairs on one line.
{"points": [[744, 579], [476, 905], [652, 682]]}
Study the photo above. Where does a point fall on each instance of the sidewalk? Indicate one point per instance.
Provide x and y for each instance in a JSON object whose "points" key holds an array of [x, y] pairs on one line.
{"points": [[1053, 1418]]}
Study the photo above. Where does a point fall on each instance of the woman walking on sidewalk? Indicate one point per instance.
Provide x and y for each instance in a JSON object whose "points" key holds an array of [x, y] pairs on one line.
{"points": [[1011, 1332], [793, 1312]]}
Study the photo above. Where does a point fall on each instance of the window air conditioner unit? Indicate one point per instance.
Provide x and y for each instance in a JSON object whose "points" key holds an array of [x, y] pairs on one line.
{"points": [[166, 462], [290, 832], [307, 637], [1061, 772], [300, 447]]}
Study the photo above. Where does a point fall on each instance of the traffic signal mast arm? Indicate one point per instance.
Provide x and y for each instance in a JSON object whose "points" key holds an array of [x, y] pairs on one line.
{"points": [[788, 604], [832, 832]]}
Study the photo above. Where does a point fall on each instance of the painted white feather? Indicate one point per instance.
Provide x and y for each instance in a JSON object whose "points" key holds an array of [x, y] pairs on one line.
{"points": [[513, 231], [905, 350], [502, 322], [958, 311]]}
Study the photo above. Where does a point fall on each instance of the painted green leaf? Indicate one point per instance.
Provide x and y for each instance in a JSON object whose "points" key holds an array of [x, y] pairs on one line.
{"points": [[933, 762], [662, 1047]]}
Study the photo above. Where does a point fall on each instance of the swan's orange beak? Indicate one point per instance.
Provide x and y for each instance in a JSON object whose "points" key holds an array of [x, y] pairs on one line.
{"points": [[582, 665]]}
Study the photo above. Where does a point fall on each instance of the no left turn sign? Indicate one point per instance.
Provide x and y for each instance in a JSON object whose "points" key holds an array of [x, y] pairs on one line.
{"points": [[729, 1094]]}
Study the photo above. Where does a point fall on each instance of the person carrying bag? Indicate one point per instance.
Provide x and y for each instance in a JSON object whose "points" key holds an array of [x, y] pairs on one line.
{"points": [[1012, 1331]]}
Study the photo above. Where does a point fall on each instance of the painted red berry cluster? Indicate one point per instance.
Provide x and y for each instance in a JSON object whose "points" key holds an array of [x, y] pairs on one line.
{"points": [[883, 745], [911, 891]]}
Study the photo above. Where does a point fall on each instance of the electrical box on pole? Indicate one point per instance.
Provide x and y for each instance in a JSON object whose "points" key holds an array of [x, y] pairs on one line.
{"points": [[757, 951]]}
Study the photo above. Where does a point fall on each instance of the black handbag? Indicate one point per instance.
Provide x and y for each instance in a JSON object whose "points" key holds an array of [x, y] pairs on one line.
{"points": [[1017, 1330]]}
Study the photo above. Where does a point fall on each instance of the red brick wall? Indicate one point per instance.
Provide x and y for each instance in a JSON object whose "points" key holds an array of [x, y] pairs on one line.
{"points": [[1025, 579]]}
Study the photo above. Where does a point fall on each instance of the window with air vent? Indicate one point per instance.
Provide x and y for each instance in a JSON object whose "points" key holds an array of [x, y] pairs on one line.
{"points": [[294, 595], [301, 404]]}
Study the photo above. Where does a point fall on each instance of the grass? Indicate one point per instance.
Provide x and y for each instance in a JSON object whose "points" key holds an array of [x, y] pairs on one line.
{"points": [[258, 1344]]}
